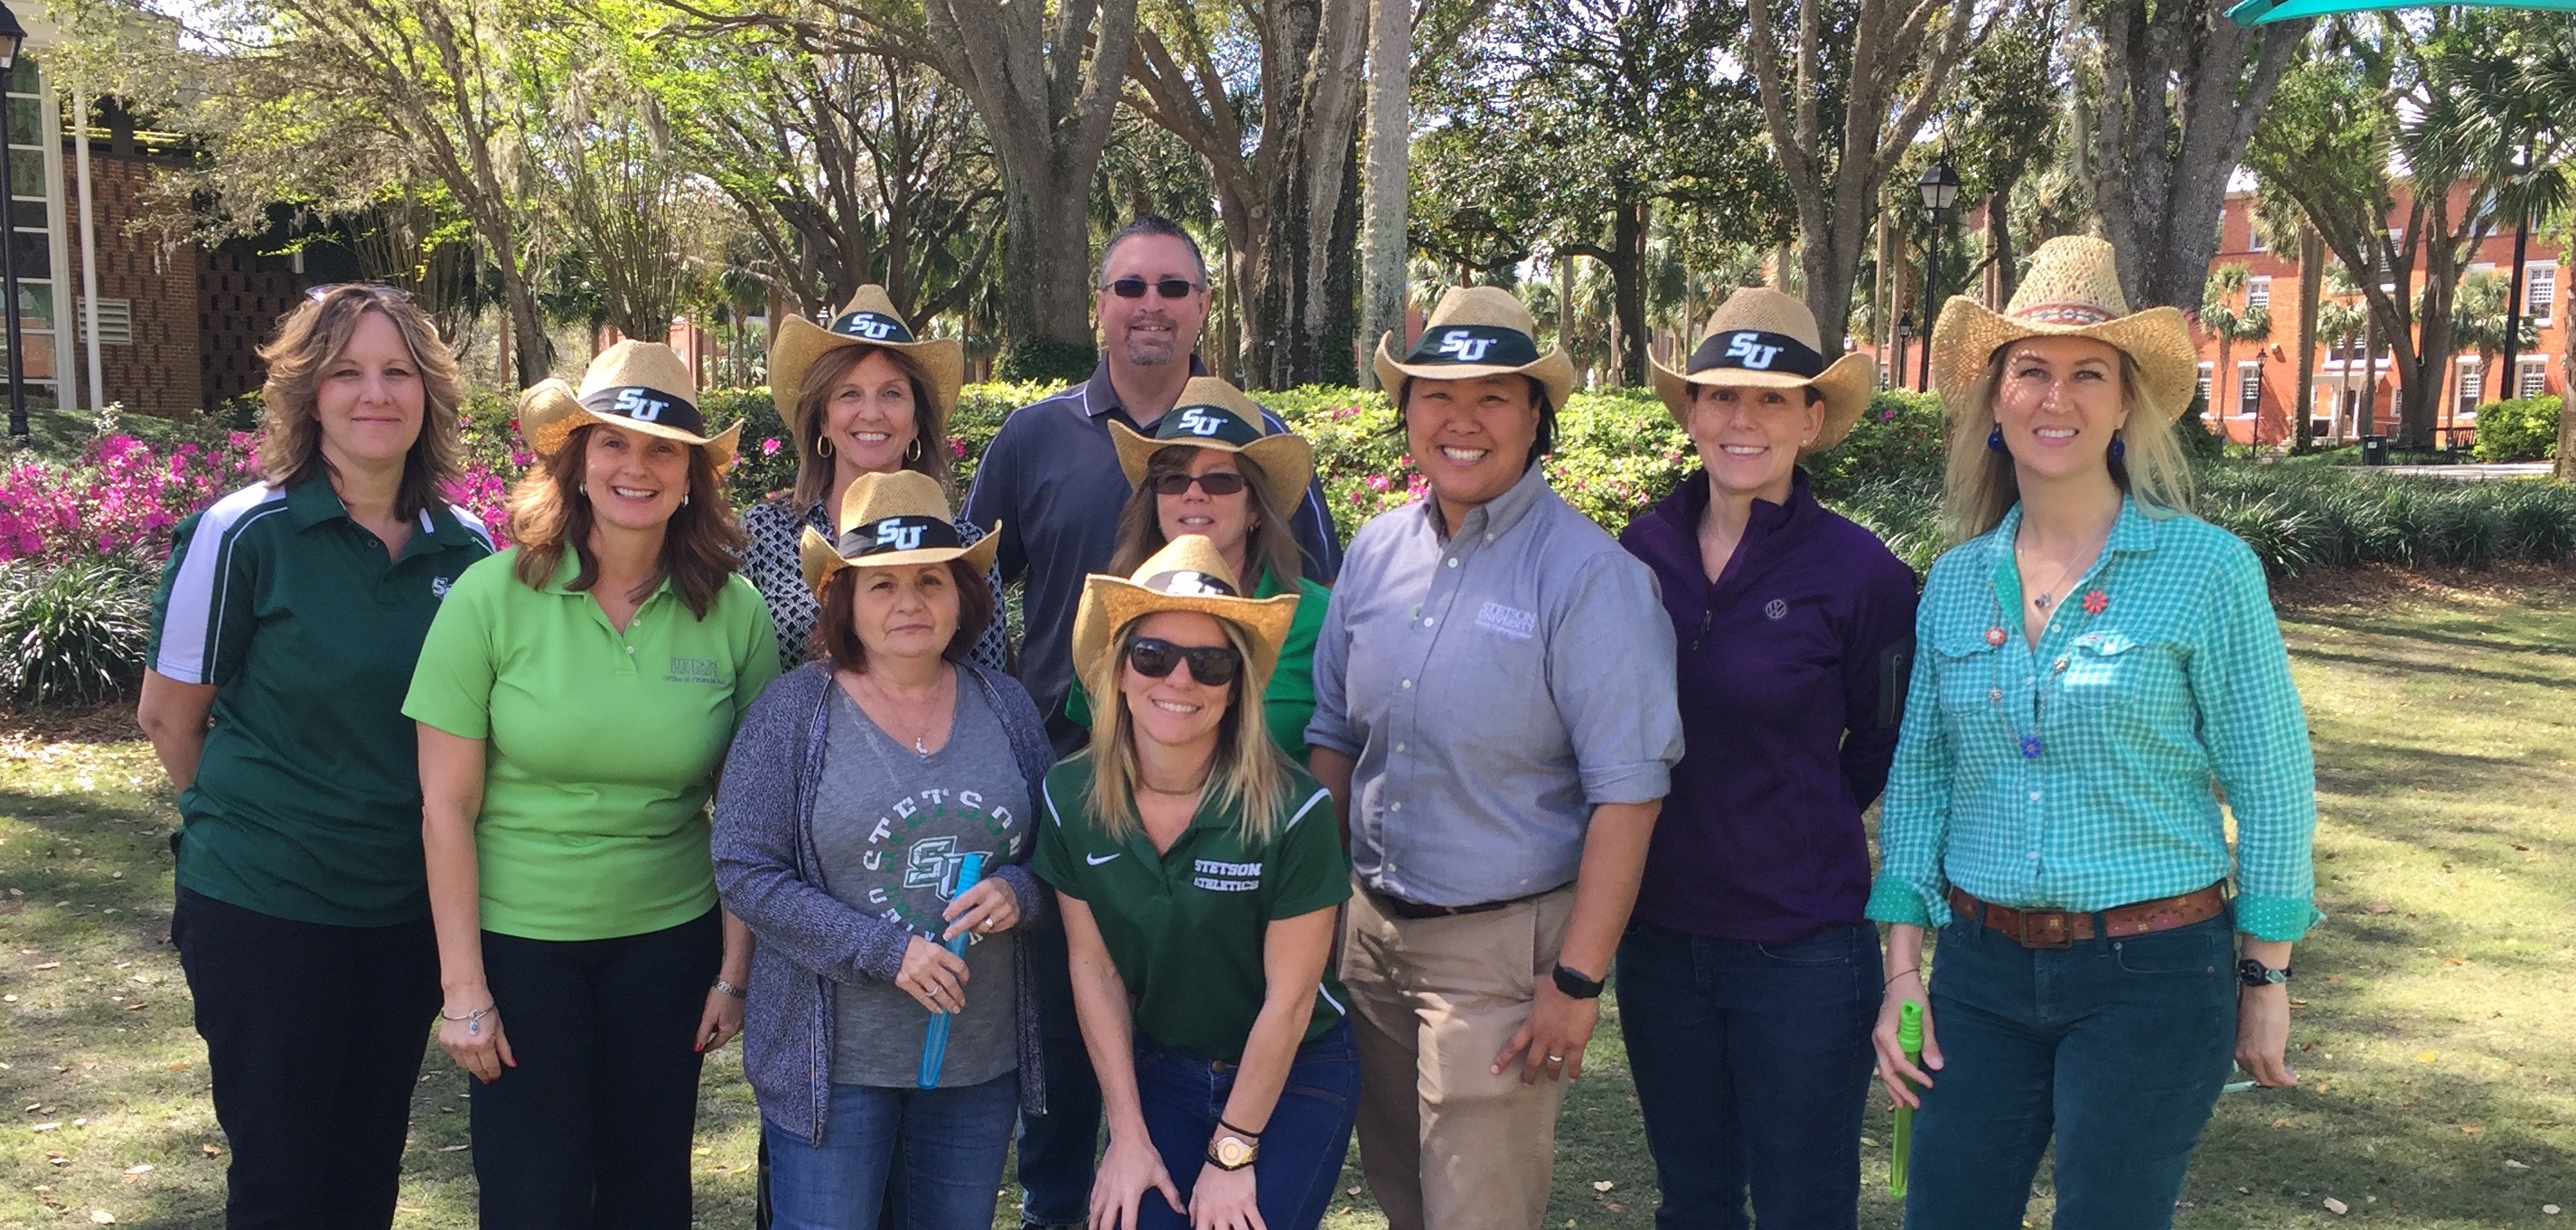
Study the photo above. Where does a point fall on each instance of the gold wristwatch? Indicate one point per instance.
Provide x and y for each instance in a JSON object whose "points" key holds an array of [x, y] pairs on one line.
{"points": [[1232, 1152]]}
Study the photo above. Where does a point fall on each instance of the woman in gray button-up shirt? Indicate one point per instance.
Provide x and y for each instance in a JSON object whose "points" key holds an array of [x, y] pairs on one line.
{"points": [[1495, 714]]}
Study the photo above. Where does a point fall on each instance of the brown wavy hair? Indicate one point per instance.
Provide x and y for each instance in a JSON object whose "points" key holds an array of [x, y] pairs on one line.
{"points": [[1269, 546], [316, 332], [836, 637], [548, 513], [929, 421]]}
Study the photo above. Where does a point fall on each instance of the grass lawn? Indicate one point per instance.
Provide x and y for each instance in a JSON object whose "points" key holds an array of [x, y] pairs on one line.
{"points": [[2428, 1003]]}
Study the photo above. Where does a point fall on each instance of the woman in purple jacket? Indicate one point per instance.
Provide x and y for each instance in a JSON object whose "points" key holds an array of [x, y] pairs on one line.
{"points": [[1748, 978]]}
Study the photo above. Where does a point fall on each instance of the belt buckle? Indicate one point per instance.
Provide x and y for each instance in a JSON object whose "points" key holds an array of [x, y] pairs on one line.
{"points": [[2052, 923]]}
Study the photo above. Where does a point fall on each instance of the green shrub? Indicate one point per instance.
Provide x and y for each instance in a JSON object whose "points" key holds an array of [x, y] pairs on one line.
{"points": [[72, 632], [2523, 429], [1901, 438], [1039, 361]]}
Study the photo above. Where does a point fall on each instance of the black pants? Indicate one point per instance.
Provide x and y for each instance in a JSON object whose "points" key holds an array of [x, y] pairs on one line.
{"points": [[315, 1034], [591, 1130]]}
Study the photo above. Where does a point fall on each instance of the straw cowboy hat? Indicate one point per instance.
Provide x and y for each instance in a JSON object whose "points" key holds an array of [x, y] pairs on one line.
{"points": [[1477, 331], [1764, 339], [2073, 290], [1215, 415], [1188, 574], [869, 320], [890, 521], [640, 386]]}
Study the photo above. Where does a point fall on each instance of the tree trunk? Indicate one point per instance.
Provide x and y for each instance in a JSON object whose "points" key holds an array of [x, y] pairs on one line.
{"points": [[2312, 260], [2002, 269], [1389, 181], [2182, 87], [1628, 282]]}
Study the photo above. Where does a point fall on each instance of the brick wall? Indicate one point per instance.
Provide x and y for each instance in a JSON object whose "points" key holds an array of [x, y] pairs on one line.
{"points": [[160, 371], [239, 295]]}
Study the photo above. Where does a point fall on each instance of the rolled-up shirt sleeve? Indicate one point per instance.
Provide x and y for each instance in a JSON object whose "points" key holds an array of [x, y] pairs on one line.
{"points": [[1610, 674], [2256, 730], [1331, 726], [1914, 817]]}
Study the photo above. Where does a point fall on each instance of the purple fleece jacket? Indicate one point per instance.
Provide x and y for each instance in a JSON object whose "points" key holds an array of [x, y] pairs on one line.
{"points": [[807, 939]]}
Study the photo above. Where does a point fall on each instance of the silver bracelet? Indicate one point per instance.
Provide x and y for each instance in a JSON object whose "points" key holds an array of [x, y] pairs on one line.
{"points": [[728, 988]]}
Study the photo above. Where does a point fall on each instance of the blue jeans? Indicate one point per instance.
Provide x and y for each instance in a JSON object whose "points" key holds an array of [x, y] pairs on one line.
{"points": [[1752, 1064], [952, 1142], [1059, 1149], [2117, 1047], [1302, 1146]]}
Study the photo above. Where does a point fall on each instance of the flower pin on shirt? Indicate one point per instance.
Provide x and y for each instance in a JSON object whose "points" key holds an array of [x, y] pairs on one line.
{"points": [[1995, 636], [2096, 602]]}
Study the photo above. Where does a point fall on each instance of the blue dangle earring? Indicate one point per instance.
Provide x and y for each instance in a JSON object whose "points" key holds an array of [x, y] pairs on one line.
{"points": [[2119, 447], [1995, 440]]}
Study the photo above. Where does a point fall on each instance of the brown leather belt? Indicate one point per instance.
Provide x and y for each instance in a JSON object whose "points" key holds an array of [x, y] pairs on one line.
{"points": [[1415, 911], [2066, 928]]}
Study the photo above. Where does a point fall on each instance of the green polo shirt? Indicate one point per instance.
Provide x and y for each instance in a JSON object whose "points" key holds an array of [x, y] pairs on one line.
{"points": [[307, 799], [601, 747], [1186, 927], [1288, 700]]}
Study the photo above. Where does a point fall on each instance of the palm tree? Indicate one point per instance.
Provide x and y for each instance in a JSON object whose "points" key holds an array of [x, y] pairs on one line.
{"points": [[2230, 324], [2341, 321]]}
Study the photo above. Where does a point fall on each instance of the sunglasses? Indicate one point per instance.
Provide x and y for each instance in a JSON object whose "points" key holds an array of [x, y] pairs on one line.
{"points": [[1213, 665], [1169, 288], [1216, 482], [378, 290]]}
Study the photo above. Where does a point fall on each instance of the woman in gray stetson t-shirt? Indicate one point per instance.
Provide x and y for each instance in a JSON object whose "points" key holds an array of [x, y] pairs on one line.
{"points": [[855, 793]]}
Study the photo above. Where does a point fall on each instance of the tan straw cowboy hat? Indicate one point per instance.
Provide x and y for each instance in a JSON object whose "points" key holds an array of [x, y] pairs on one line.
{"points": [[640, 386], [869, 320], [1214, 414], [1188, 574], [889, 521], [1761, 338], [1477, 331], [2072, 290]]}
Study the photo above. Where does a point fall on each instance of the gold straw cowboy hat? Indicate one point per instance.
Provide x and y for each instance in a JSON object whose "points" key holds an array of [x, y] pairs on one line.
{"points": [[1214, 414], [1761, 338], [889, 521], [869, 320], [640, 386], [1477, 331], [1188, 574], [2072, 290]]}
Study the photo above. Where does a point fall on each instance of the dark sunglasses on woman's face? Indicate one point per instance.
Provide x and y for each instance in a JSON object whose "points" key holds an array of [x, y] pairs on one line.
{"points": [[1216, 482], [1154, 657], [1169, 288]]}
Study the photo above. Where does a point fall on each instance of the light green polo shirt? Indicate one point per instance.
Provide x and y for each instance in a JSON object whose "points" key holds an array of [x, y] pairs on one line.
{"points": [[1288, 700], [306, 804], [601, 747], [1186, 927]]}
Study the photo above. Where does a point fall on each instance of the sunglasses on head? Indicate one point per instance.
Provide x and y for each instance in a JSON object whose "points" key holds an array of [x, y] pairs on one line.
{"points": [[377, 289], [1213, 665], [1169, 288], [1216, 482]]}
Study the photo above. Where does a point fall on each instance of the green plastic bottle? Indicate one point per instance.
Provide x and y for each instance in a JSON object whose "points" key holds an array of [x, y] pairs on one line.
{"points": [[1909, 1039]]}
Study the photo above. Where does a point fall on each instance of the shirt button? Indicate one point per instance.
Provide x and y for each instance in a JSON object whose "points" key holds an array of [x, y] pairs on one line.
{"points": [[1453, 561], [2059, 665], [2034, 796], [1407, 685], [1429, 620], [630, 651], [1395, 807], [1399, 747], [1994, 694], [2034, 856], [1489, 538]]}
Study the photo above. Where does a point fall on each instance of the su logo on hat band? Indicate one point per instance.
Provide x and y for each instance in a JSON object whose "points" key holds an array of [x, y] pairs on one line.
{"points": [[1748, 347], [1467, 346], [636, 404], [897, 536], [1199, 422]]}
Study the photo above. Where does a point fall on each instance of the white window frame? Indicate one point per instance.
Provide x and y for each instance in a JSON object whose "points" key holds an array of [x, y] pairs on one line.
{"points": [[2538, 306], [2249, 387], [2253, 235], [2207, 373], [2531, 375], [2470, 386], [2258, 293]]}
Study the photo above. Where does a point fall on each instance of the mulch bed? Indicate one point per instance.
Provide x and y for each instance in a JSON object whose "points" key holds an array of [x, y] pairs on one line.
{"points": [[2381, 584], [110, 722]]}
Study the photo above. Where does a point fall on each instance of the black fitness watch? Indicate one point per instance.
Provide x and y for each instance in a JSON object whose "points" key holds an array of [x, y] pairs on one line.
{"points": [[1573, 982], [2254, 973]]}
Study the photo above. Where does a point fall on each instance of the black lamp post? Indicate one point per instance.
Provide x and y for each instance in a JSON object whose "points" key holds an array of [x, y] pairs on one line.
{"points": [[1904, 330], [12, 36], [1940, 187]]}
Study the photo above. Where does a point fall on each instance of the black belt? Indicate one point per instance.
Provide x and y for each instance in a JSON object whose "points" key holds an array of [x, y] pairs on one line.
{"points": [[1415, 911]]}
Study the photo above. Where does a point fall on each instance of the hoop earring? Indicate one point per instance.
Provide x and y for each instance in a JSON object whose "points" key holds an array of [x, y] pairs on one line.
{"points": [[823, 446], [2119, 447], [684, 499], [585, 489], [1995, 440], [912, 452]]}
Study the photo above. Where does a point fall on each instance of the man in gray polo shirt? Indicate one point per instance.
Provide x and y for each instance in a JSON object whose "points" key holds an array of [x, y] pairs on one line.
{"points": [[1051, 477], [1495, 713]]}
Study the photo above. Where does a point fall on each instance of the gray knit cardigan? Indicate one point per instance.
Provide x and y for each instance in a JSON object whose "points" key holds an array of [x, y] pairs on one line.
{"points": [[807, 939]]}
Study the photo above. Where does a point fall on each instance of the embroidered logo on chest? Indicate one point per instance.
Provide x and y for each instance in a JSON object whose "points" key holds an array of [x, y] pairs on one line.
{"points": [[438, 587], [1505, 621], [1775, 609], [708, 671], [1220, 877]]}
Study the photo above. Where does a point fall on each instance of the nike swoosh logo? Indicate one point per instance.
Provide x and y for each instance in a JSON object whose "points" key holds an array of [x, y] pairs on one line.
{"points": [[1096, 860]]}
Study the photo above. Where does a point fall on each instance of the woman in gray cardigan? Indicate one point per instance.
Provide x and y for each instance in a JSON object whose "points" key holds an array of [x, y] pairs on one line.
{"points": [[858, 789]]}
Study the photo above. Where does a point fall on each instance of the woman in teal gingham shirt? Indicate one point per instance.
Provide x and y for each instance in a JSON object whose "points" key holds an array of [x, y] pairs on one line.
{"points": [[2094, 670]]}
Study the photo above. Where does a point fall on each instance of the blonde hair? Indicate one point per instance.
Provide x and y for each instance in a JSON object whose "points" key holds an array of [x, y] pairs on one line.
{"points": [[1250, 773], [316, 332], [1979, 485]]}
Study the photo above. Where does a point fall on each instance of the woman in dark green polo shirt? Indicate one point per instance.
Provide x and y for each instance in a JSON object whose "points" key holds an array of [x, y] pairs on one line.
{"points": [[574, 700], [1210, 468], [291, 612], [1199, 872]]}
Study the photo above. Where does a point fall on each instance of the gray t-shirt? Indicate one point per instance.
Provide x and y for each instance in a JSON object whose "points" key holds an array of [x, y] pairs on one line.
{"points": [[890, 826]]}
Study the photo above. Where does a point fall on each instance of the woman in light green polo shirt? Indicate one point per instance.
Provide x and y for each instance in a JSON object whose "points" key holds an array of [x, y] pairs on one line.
{"points": [[1199, 872], [1210, 468], [575, 699]]}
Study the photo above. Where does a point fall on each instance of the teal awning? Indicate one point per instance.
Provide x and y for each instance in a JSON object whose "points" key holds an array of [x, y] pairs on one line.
{"points": [[2257, 12]]}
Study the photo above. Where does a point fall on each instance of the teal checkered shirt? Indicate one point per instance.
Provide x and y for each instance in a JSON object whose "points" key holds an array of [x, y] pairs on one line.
{"points": [[2085, 774]]}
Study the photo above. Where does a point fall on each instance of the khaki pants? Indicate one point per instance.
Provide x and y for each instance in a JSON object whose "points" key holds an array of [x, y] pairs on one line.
{"points": [[1446, 1143]]}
